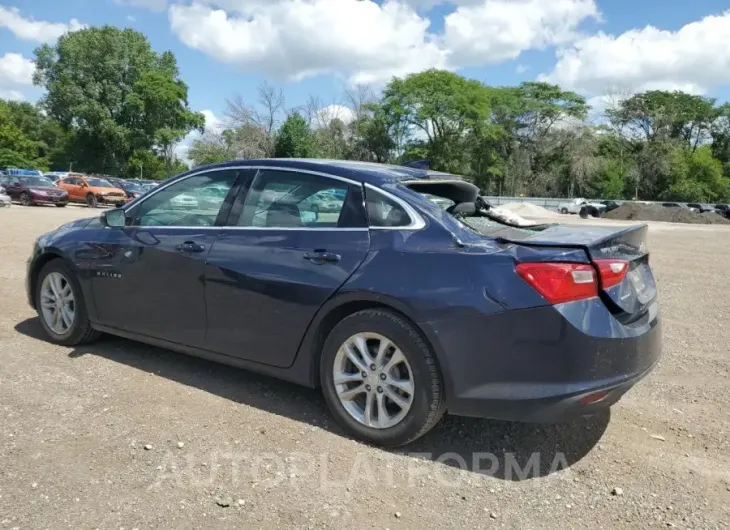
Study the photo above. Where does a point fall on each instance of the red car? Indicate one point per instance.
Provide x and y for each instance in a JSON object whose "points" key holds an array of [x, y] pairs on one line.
{"points": [[31, 190]]}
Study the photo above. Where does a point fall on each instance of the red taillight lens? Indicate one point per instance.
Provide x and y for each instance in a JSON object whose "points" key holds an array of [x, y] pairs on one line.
{"points": [[560, 282], [612, 271]]}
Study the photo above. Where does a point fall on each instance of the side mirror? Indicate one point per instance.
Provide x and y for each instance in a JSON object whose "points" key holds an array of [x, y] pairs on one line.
{"points": [[116, 218]]}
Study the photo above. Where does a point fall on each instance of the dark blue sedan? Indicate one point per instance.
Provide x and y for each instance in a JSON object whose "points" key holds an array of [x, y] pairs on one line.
{"points": [[398, 308]]}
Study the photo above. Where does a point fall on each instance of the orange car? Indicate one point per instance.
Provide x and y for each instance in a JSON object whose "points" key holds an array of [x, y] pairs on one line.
{"points": [[92, 190]]}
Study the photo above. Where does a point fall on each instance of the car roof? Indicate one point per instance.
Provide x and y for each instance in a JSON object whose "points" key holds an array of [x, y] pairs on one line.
{"points": [[368, 172]]}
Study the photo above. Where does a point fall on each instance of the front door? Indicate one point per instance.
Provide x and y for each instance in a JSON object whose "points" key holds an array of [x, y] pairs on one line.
{"points": [[148, 278], [290, 250]]}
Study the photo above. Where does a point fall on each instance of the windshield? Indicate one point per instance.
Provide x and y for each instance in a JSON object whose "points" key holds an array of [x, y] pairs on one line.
{"points": [[98, 183], [130, 186], [36, 181]]}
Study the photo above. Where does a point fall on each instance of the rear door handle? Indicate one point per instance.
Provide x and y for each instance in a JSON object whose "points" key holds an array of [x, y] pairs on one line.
{"points": [[190, 246], [320, 256]]}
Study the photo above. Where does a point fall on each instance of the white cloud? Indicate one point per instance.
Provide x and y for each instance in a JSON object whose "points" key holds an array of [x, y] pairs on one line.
{"points": [[212, 124], [331, 112], [152, 5], [696, 58], [294, 39], [37, 30], [11, 95], [15, 71], [498, 30], [369, 41]]}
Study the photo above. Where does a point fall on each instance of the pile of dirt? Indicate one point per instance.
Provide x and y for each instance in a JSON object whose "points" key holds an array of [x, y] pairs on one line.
{"points": [[654, 212], [528, 210]]}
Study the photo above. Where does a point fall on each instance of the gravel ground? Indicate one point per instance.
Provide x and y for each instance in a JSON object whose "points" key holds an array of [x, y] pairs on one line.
{"points": [[122, 435]]}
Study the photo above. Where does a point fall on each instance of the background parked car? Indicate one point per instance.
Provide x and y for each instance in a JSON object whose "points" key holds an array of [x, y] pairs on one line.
{"points": [[723, 209], [678, 205], [130, 188], [92, 191], [610, 205], [701, 207], [582, 206], [31, 190]]}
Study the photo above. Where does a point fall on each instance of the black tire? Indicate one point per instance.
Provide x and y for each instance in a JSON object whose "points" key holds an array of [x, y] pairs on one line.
{"points": [[80, 331], [91, 201], [62, 205], [429, 403], [564, 211], [26, 199]]}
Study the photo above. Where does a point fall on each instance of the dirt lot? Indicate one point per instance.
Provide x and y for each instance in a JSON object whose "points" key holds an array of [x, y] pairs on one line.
{"points": [[122, 435]]}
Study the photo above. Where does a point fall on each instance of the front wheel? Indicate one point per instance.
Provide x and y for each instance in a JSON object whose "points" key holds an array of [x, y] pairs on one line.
{"points": [[91, 201], [380, 378], [61, 306], [25, 199]]}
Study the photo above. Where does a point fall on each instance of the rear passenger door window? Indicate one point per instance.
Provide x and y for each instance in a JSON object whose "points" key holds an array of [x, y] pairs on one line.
{"points": [[292, 199]]}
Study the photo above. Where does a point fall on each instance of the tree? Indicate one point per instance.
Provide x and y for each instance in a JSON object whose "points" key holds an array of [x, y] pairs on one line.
{"points": [[441, 107], [18, 149], [295, 139], [114, 96]]}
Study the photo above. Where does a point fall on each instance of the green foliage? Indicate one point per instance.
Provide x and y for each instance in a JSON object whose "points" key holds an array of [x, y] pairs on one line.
{"points": [[611, 180], [114, 96], [115, 106], [295, 139], [19, 143]]}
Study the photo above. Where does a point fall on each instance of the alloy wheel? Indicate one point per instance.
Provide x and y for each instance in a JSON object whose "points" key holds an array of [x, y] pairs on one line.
{"points": [[25, 199], [58, 306], [373, 380]]}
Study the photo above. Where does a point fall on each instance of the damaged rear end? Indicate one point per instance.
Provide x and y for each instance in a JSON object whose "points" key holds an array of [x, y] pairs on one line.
{"points": [[584, 329]]}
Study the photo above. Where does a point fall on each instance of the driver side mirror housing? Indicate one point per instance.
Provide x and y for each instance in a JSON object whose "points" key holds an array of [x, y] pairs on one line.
{"points": [[116, 218]]}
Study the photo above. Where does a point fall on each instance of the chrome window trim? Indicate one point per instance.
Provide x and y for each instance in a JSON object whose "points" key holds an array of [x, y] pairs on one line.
{"points": [[417, 220], [276, 168]]}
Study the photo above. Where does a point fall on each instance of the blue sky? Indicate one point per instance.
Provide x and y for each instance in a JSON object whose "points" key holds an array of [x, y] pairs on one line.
{"points": [[320, 47]]}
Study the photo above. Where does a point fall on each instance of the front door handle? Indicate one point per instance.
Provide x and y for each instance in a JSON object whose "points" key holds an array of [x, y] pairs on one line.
{"points": [[190, 246], [320, 256]]}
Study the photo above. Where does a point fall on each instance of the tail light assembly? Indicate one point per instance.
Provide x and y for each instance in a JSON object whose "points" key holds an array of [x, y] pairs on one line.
{"points": [[559, 282]]}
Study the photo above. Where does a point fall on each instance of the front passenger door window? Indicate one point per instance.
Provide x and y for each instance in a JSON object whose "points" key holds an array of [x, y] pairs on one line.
{"points": [[194, 201]]}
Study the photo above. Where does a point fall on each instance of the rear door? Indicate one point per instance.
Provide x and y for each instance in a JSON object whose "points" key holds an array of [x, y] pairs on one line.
{"points": [[148, 277], [281, 257]]}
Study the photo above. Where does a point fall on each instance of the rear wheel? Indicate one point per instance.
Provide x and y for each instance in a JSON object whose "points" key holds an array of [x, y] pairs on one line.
{"points": [[61, 306], [380, 379], [564, 210], [61, 205], [91, 201], [25, 199]]}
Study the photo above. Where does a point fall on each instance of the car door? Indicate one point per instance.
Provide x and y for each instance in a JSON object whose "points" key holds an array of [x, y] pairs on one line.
{"points": [[268, 274], [148, 277], [72, 185]]}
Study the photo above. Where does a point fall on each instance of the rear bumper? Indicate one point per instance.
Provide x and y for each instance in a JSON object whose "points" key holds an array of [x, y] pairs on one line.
{"points": [[544, 364]]}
